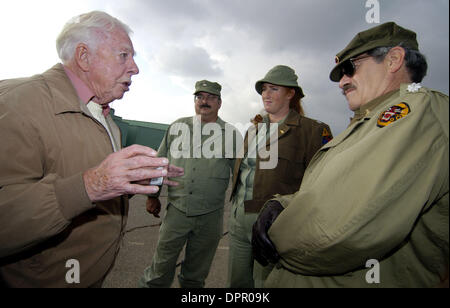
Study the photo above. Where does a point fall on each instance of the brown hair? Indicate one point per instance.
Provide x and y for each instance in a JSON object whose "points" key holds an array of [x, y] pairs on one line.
{"points": [[296, 102]]}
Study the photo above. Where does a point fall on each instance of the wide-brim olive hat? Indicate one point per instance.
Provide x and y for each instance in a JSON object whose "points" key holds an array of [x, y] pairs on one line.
{"points": [[208, 87], [280, 75], [386, 35]]}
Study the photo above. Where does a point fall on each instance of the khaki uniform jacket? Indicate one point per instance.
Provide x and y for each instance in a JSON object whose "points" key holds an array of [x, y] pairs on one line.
{"points": [[299, 138], [48, 138], [202, 188], [378, 191]]}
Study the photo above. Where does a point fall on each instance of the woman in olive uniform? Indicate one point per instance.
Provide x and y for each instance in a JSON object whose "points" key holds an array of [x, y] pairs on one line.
{"points": [[298, 138]]}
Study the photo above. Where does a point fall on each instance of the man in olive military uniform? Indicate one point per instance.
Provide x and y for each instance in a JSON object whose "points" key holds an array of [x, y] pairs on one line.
{"points": [[383, 219], [195, 208]]}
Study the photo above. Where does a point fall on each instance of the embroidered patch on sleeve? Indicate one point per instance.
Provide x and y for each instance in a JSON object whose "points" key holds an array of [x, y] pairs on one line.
{"points": [[326, 136], [393, 114]]}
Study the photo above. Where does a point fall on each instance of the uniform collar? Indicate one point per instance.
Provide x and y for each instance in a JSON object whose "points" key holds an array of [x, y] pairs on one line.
{"points": [[365, 110], [292, 119], [221, 123], [218, 121]]}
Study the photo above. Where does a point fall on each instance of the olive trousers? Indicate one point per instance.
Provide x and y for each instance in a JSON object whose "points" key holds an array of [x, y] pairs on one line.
{"points": [[201, 235], [243, 271]]}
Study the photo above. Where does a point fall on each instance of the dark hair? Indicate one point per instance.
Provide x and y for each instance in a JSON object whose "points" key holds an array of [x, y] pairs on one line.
{"points": [[416, 63]]}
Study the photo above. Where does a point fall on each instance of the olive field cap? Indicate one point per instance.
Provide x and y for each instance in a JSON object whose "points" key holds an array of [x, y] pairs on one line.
{"points": [[208, 87], [280, 75], [386, 35]]}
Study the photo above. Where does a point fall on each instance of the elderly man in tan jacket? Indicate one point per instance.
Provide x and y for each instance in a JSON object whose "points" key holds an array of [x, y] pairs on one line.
{"points": [[64, 182], [383, 219]]}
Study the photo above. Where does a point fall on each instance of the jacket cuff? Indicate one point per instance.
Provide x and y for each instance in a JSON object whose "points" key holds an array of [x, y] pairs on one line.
{"points": [[72, 196], [284, 200]]}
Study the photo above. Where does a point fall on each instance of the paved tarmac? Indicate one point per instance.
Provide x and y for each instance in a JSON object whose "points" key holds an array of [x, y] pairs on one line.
{"points": [[140, 242]]}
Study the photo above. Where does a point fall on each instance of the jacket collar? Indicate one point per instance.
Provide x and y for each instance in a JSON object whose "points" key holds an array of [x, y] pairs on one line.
{"points": [[364, 113], [83, 91], [222, 123], [64, 95], [365, 110], [293, 119]]}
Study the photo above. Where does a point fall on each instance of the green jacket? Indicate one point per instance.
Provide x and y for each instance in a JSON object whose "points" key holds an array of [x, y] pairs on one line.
{"points": [[202, 188], [377, 191], [299, 138]]}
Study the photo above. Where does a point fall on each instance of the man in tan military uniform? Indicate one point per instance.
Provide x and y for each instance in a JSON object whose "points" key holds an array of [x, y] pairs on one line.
{"points": [[372, 210]]}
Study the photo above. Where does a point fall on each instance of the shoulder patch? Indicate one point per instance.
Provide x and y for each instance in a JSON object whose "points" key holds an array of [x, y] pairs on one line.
{"points": [[393, 114], [326, 136]]}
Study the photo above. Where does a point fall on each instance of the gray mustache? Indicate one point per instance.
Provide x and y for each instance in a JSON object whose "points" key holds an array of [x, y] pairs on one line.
{"points": [[347, 87]]}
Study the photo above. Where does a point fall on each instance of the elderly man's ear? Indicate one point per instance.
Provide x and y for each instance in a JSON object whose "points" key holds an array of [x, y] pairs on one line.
{"points": [[82, 57]]}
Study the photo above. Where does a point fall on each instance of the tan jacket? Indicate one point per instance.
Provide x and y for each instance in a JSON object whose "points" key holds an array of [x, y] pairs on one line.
{"points": [[299, 138], [378, 191], [48, 138]]}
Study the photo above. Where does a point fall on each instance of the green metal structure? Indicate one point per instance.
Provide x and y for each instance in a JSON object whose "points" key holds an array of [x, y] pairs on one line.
{"points": [[137, 132]]}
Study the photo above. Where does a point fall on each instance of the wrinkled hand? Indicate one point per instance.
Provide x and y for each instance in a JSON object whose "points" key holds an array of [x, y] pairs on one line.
{"points": [[125, 172], [173, 172], [264, 250], [153, 206]]}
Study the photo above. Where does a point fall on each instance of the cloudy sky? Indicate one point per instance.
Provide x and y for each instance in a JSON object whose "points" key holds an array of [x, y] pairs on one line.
{"points": [[234, 42]]}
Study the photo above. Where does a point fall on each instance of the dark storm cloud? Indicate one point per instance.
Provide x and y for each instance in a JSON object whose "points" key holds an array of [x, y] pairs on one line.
{"points": [[288, 24], [325, 27], [304, 34]]}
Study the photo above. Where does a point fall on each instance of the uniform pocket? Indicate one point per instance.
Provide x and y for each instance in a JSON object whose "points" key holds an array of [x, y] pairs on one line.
{"points": [[291, 166]]}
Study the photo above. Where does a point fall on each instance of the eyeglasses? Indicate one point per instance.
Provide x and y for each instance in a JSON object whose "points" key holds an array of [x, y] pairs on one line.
{"points": [[348, 68], [208, 98]]}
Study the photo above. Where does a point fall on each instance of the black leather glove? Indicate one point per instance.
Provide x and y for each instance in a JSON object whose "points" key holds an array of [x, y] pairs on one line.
{"points": [[263, 249]]}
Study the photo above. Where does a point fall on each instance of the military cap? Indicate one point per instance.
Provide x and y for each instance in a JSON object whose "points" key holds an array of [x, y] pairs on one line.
{"points": [[208, 87], [386, 35], [280, 75]]}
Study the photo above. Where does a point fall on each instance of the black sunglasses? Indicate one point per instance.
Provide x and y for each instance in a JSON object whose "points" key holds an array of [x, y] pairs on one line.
{"points": [[348, 67]]}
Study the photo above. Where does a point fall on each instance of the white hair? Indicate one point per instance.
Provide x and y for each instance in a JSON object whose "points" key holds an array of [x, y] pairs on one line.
{"points": [[86, 29]]}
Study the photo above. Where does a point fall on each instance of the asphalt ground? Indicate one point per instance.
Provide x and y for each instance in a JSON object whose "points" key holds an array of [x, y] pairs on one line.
{"points": [[140, 243]]}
